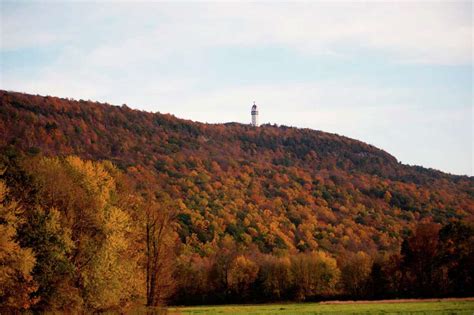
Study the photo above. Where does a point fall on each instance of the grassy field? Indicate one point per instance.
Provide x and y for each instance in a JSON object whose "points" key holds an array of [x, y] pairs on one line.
{"points": [[382, 307]]}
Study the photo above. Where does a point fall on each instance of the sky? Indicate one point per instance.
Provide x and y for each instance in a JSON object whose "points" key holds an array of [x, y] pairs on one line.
{"points": [[397, 75]]}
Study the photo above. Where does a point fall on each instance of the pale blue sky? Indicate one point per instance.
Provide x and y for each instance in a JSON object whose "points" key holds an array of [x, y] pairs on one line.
{"points": [[397, 75]]}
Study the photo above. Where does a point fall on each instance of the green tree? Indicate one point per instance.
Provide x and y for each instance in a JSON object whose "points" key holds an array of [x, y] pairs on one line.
{"points": [[54, 271]]}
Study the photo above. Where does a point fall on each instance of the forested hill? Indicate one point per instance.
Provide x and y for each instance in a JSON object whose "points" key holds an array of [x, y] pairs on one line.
{"points": [[277, 187], [214, 213]]}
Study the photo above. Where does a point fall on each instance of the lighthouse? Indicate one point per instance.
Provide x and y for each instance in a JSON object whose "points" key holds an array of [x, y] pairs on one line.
{"points": [[254, 115]]}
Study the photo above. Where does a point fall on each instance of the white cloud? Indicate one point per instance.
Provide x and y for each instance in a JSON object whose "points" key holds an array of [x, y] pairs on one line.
{"points": [[422, 31]]}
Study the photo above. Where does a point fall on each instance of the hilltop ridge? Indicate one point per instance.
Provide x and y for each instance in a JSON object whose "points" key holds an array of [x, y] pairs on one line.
{"points": [[306, 146]]}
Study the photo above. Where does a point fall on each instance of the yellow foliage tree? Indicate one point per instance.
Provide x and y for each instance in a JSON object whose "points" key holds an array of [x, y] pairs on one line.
{"points": [[356, 273], [314, 274], [94, 234], [242, 274], [16, 263]]}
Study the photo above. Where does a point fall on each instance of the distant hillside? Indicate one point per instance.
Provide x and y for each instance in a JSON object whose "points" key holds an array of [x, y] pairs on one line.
{"points": [[278, 188]]}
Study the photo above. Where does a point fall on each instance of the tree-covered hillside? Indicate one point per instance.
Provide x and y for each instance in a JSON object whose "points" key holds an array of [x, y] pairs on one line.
{"points": [[243, 198], [277, 187]]}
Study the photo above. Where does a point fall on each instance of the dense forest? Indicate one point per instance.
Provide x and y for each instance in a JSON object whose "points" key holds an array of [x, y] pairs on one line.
{"points": [[104, 207]]}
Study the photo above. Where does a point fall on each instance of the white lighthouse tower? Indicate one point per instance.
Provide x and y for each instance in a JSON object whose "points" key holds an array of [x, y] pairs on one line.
{"points": [[254, 115]]}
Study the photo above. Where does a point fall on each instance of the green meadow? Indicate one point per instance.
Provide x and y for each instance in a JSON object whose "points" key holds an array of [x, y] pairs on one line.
{"points": [[422, 307]]}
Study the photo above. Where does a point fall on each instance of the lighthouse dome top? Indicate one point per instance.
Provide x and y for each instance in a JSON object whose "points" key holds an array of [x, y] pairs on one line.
{"points": [[254, 107]]}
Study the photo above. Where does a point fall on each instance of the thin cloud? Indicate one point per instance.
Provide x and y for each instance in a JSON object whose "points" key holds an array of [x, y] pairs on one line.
{"points": [[419, 32]]}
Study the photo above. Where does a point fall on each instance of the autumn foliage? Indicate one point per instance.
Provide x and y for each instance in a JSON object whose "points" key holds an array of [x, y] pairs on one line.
{"points": [[104, 208]]}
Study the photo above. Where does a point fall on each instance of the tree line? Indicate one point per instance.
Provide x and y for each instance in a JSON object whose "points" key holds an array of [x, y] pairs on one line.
{"points": [[435, 261]]}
